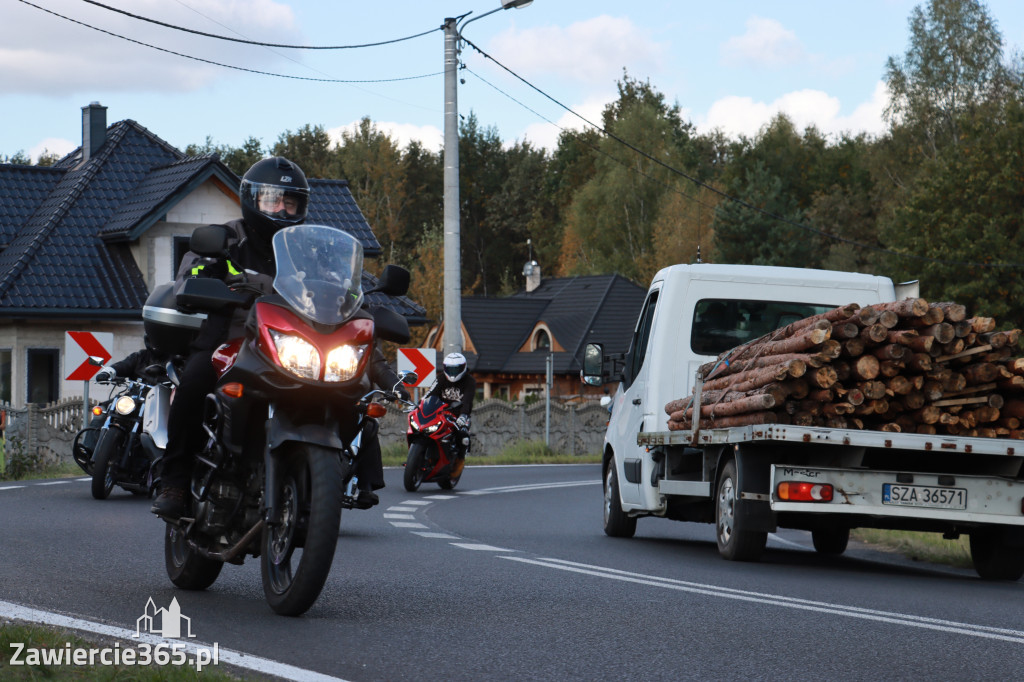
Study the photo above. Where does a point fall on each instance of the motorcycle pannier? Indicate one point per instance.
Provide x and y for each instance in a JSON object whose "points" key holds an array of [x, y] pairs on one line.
{"points": [[169, 329]]}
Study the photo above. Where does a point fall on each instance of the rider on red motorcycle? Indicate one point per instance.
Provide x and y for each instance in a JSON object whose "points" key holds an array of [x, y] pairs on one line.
{"points": [[456, 384]]}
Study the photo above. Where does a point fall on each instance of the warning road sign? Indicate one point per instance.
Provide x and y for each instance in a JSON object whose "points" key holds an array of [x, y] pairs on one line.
{"points": [[423, 361], [78, 346]]}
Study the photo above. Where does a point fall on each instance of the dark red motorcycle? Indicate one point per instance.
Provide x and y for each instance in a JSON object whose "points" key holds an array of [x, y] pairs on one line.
{"points": [[285, 421], [433, 445]]}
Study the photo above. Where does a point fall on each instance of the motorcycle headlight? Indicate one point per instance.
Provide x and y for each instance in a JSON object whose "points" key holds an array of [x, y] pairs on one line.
{"points": [[124, 405], [431, 428], [297, 355], [342, 362]]}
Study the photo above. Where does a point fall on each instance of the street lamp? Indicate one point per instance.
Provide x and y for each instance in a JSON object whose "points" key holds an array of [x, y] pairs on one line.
{"points": [[452, 338]]}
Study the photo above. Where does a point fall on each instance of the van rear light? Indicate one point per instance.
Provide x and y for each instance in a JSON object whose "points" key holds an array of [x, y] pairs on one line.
{"points": [[801, 491]]}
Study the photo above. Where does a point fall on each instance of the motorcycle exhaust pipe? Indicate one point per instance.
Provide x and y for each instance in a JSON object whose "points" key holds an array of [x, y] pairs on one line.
{"points": [[232, 553]]}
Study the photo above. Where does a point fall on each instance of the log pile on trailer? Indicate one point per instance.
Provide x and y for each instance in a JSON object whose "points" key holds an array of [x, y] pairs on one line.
{"points": [[908, 366]]}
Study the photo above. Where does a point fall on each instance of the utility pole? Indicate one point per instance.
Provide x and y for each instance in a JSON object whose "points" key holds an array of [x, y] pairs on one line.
{"points": [[452, 337], [452, 258]]}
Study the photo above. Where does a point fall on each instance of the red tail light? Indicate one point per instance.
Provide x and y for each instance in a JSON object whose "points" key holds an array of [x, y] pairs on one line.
{"points": [[801, 491]]}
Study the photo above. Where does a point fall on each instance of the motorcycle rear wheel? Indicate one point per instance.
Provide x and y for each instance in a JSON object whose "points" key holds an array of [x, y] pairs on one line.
{"points": [[186, 568], [107, 448], [297, 551], [414, 467]]}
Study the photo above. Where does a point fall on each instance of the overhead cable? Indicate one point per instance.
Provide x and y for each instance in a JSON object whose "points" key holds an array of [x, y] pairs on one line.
{"points": [[255, 42], [230, 66]]}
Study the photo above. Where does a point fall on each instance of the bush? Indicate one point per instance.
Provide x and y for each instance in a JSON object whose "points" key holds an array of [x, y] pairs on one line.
{"points": [[17, 463]]}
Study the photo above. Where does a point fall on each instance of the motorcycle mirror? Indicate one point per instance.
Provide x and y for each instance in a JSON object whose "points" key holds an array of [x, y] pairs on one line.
{"points": [[209, 240], [390, 326], [408, 378], [394, 281], [95, 360]]}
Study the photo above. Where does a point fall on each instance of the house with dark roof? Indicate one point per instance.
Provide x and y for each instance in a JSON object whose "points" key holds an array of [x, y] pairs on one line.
{"points": [[507, 341], [82, 244]]}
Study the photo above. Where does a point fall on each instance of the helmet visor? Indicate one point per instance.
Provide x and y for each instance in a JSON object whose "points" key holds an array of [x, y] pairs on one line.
{"points": [[279, 203]]}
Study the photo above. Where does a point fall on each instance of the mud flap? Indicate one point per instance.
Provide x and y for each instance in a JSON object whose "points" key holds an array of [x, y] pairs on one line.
{"points": [[753, 473]]}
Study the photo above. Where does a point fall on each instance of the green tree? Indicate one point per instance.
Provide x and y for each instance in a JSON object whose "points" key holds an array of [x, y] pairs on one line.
{"points": [[238, 159], [310, 147], [952, 64], [372, 165]]}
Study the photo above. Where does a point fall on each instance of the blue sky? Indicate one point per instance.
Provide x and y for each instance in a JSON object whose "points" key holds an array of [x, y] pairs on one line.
{"points": [[730, 65]]}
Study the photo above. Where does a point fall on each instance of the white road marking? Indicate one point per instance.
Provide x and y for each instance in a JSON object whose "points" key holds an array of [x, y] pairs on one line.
{"points": [[12, 487], [407, 524], [441, 497], [402, 509], [481, 548], [407, 517], [535, 486], [984, 631], [439, 536], [773, 536], [52, 482], [236, 658], [417, 502]]}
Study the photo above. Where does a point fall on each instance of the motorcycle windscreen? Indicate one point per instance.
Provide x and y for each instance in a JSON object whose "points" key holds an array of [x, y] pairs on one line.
{"points": [[319, 272]]}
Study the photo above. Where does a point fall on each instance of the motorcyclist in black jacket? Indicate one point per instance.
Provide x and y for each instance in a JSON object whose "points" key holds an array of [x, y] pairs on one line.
{"points": [[274, 194], [133, 365]]}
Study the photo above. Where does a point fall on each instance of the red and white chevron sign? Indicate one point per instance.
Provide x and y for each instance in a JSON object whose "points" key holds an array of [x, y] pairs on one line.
{"points": [[78, 346], [423, 361]]}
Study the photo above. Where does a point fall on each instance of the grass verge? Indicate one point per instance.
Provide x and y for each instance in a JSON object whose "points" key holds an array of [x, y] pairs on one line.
{"points": [[919, 546], [519, 452], [59, 641]]}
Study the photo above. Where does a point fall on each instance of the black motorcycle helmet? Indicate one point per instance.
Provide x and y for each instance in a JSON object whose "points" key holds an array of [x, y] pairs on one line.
{"points": [[274, 194]]}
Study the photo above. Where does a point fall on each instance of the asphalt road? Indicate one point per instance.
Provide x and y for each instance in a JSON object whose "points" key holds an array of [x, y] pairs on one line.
{"points": [[512, 577]]}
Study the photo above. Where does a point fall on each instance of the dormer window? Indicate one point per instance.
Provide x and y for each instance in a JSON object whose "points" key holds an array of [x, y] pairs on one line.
{"points": [[541, 340]]}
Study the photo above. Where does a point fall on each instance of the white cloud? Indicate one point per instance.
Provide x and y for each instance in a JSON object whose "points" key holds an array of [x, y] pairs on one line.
{"points": [[591, 51], [431, 137], [743, 116], [766, 43], [52, 55], [546, 135], [52, 145]]}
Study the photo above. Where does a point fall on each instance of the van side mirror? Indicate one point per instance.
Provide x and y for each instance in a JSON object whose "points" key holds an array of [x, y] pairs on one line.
{"points": [[593, 364]]}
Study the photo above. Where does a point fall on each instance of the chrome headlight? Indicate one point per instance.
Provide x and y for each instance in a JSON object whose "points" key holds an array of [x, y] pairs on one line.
{"points": [[297, 355], [125, 405], [342, 362]]}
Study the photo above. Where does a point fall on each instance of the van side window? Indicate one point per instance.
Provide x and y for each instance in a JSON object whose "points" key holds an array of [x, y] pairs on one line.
{"points": [[638, 347]]}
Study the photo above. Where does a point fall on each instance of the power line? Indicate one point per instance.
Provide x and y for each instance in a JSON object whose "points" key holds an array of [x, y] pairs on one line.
{"points": [[727, 196], [230, 66], [254, 42]]}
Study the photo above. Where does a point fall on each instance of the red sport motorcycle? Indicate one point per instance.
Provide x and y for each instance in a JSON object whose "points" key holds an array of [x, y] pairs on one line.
{"points": [[285, 421], [433, 448]]}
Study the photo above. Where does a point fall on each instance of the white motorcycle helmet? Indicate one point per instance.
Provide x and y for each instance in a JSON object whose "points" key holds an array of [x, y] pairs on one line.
{"points": [[454, 366]]}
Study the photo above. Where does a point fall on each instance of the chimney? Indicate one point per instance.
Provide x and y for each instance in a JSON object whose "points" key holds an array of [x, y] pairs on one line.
{"points": [[94, 129], [532, 273]]}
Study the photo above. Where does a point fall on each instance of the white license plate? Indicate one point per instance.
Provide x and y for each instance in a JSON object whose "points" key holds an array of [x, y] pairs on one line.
{"points": [[924, 496]]}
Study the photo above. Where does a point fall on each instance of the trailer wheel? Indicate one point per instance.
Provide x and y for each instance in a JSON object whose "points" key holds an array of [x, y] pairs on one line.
{"points": [[617, 523], [993, 560], [734, 543], [831, 541]]}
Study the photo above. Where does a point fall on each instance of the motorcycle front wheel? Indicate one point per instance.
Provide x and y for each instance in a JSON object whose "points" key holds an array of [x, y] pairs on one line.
{"points": [[298, 549], [414, 467], [185, 567], [108, 446]]}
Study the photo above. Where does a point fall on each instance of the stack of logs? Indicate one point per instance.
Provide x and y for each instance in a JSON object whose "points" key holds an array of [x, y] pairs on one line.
{"points": [[907, 366]]}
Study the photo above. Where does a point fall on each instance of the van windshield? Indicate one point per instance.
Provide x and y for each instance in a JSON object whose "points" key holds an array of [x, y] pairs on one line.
{"points": [[720, 324]]}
